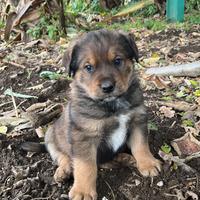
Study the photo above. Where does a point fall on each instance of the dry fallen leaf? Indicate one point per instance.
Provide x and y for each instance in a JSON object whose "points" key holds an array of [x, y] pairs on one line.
{"points": [[197, 112], [186, 145], [3, 129], [197, 126], [167, 111], [159, 81], [191, 130], [191, 194], [198, 100], [152, 60], [178, 105]]}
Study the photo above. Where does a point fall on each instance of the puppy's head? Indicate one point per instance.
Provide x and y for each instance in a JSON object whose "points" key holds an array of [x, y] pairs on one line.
{"points": [[101, 63]]}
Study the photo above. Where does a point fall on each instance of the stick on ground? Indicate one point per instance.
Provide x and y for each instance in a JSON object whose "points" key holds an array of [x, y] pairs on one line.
{"points": [[190, 69]]}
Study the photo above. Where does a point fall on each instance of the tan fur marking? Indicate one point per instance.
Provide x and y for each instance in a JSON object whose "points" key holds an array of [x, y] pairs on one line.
{"points": [[85, 174], [111, 53], [146, 163]]}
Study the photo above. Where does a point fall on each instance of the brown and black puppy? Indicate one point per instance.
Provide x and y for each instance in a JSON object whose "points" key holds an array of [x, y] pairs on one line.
{"points": [[105, 113]]}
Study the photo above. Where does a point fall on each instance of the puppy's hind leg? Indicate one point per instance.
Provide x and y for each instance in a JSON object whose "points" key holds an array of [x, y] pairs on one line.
{"points": [[64, 168], [63, 161]]}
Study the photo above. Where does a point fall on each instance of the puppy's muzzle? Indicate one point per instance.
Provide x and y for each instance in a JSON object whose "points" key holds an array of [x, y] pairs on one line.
{"points": [[107, 85]]}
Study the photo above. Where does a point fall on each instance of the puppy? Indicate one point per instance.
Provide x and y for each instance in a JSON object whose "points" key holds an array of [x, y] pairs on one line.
{"points": [[105, 112]]}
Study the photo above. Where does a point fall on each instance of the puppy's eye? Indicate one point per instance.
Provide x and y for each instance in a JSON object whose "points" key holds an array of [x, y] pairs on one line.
{"points": [[89, 68], [118, 61]]}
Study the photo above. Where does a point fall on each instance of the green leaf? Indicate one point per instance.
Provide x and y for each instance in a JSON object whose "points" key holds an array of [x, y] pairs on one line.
{"points": [[189, 98], [152, 126], [166, 98], [15, 94], [166, 148], [174, 166], [194, 83], [50, 75], [188, 122], [3, 129], [197, 93], [180, 94]]}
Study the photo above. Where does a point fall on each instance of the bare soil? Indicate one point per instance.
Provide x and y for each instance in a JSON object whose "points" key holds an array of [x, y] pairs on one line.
{"points": [[31, 177]]}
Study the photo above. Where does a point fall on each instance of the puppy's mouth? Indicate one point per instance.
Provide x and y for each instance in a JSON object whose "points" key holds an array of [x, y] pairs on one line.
{"points": [[114, 103], [109, 99]]}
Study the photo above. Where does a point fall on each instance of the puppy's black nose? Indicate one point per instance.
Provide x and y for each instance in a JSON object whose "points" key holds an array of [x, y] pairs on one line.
{"points": [[107, 86]]}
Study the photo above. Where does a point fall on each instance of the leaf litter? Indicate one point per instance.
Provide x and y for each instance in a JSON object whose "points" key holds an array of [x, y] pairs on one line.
{"points": [[163, 48]]}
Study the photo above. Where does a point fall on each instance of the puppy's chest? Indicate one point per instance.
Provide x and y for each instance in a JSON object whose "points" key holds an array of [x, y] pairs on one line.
{"points": [[116, 135]]}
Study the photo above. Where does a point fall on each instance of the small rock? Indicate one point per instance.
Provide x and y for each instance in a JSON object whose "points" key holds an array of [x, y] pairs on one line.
{"points": [[160, 184], [137, 182], [64, 196], [13, 76]]}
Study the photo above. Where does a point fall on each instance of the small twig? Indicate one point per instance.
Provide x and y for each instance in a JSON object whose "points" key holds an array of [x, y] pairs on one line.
{"points": [[14, 104], [170, 195], [174, 186], [14, 64], [5, 190], [177, 160], [44, 198], [197, 182], [21, 103], [113, 195], [151, 184], [40, 132], [195, 155], [172, 125], [186, 69], [38, 106], [3, 104]]}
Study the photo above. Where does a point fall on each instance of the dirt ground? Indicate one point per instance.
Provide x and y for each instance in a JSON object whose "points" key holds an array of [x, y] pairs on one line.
{"points": [[25, 176]]}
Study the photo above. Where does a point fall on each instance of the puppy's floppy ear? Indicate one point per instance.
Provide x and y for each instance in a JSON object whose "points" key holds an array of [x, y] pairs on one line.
{"points": [[69, 60], [130, 43], [133, 46]]}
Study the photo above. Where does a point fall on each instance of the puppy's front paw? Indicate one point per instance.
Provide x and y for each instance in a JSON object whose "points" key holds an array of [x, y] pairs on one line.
{"points": [[61, 174], [149, 166], [77, 194]]}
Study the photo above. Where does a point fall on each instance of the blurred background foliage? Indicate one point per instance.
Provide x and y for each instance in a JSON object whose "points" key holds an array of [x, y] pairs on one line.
{"points": [[68, 17]]}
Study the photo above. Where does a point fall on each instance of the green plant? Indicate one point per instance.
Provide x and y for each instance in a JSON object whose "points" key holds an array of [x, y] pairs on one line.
{"points": [[48, 25], [2, 24], [35, 32], [149, 11], [193, 19], [191, 5], [154, 25], [95, 6], [166, 148], [78, 5]]}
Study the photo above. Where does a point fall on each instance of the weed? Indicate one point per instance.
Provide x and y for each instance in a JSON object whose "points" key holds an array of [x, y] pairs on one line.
{"points": [[2, 24], [46, 26], [193, 19], [191, 5], [154, 25], [78, 6], [148, 11]]}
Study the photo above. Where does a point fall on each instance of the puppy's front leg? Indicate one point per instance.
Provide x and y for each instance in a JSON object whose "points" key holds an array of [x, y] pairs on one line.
{"points": [[85, 175], [138, 143]]}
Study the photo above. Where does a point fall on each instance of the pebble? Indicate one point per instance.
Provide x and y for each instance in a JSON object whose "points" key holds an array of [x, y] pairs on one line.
{"points": [[13, 76], [137, 182], [64, 196], [160, 183]]}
